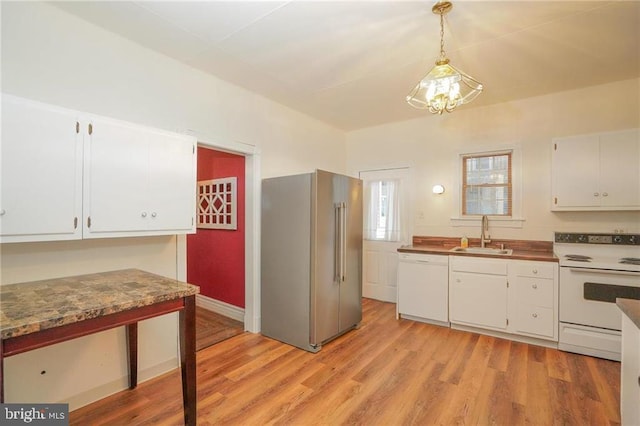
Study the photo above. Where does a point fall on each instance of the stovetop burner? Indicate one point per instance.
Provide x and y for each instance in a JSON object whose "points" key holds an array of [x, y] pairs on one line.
{"points": [[616, 252]]}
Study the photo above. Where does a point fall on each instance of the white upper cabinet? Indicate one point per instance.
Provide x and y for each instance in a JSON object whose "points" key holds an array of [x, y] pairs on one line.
{"points": [[172, 182], [138, 181], [620, 169], [70, 175], [41, 174], [596, 172]]}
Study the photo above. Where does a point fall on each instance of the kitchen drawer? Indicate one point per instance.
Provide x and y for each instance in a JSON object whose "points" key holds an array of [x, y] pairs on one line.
{"points": [[535, 291], [534, 269], [478, 265], [535, 320]]}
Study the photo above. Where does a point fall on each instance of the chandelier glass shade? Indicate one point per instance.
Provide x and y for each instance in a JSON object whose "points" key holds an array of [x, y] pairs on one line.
{"points": [[444, 88]]}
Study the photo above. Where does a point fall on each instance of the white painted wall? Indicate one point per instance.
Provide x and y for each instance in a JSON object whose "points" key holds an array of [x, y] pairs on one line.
{"points": [[51, 56], [431, 146], [57, 58]]}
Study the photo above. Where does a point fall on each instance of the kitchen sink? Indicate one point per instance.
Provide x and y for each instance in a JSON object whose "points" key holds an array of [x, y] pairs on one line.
{"points": [[482, 250]]}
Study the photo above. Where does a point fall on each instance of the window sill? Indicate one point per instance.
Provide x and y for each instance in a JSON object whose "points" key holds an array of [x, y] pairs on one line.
{"points": [[494, 221]]}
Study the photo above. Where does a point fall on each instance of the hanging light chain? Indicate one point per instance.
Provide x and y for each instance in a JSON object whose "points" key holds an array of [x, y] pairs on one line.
{"points": [[442, 55]]}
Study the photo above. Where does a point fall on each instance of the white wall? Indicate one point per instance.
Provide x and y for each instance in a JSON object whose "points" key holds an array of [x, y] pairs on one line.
{"points": [[51, 56], [431, 146]]}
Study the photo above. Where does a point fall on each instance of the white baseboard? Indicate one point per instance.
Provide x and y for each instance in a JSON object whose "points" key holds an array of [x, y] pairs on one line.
{"points": [[103, 391], [220, 307], [380, 292]]}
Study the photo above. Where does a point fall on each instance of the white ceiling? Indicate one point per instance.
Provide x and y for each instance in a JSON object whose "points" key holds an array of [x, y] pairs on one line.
{"points": [[351, 63]]}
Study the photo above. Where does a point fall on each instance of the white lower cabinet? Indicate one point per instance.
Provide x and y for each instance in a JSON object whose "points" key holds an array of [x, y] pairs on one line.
{"points": [[509, 296], [423, 287], [478, 292], [535, 300]]}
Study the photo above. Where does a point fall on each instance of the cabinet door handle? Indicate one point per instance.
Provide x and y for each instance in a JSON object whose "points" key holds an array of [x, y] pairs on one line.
{"points": [[534, 315], [3, 212], [605, 194], [154, 214], [144, 214], [596, 194], [534, 286]]}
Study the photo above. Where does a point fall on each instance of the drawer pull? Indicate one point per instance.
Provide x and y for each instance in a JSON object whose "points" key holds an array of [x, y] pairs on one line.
{"points": [[534, 315], [535, 271], [534, 286]]}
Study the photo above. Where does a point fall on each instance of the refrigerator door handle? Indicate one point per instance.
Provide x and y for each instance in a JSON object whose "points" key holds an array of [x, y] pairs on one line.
{"points": [[337, 267], [343, 240]]}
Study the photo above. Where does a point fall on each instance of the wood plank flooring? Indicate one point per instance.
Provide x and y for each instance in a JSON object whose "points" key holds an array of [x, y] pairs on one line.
{"points": [[388, 372], [212, 328]]}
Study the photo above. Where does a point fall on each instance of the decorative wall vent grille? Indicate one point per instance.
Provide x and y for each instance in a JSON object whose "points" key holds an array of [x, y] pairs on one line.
{"points": [[217, 206]]}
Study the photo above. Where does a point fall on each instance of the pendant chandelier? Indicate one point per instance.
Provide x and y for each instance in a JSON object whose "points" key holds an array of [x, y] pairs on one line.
{"points": [[444, 88]]}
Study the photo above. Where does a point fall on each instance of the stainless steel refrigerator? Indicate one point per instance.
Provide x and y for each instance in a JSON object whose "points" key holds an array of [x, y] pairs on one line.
{"points": [[311, 266]]}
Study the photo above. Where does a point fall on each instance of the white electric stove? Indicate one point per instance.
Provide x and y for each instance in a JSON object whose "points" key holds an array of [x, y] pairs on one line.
{"points": [[595, 269]]}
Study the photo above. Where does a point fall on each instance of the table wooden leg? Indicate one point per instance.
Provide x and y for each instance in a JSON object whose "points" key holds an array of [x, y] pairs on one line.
{"points": [[132, 349], [188, 359], [1, 374]]}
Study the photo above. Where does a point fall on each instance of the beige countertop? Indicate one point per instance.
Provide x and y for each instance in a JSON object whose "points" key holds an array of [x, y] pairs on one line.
{"points": [[34, 306], [522, 249], [631, 308]]}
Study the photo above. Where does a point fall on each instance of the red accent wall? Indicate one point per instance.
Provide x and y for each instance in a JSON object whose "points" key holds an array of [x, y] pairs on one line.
{"points": [[215, 257]]}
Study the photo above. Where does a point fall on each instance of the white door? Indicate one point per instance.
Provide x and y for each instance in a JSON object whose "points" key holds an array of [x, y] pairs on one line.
{"points": [[385, 230]]}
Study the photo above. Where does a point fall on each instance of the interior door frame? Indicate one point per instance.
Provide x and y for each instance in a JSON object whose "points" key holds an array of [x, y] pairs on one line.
{"points": [[252, 229]]}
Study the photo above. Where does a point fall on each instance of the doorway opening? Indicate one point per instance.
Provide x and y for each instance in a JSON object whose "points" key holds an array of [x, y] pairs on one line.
{"points": [[244, 306], [216, 252]]}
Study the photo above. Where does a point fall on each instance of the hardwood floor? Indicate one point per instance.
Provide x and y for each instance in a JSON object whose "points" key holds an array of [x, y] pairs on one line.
{"points": [[388, 372], [212, 328]]}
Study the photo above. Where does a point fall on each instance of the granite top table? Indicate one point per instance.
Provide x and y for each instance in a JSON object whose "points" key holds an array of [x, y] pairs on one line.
{"points": [[34, 306], [631, 309], [41, 313]]}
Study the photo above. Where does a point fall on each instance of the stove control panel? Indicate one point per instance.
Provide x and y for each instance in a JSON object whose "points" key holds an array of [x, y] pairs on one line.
{"points": [[579, 238]]}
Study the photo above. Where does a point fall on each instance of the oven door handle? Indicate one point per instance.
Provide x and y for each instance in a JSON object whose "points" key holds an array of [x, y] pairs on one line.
{"points": [[604, 271]]}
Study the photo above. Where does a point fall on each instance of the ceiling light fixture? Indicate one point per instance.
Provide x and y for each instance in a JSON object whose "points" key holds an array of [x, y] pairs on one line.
{"points": [[445, 88]]}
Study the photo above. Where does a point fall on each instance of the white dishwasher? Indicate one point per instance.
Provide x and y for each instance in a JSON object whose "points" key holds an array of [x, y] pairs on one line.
{"points": [[423, 287]]}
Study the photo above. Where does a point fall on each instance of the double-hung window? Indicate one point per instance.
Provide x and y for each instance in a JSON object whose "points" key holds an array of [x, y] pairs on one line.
{"points": [[487, 184]]}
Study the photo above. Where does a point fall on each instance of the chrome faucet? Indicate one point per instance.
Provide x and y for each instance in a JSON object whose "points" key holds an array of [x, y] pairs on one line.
{"points": [[484, 228]]}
